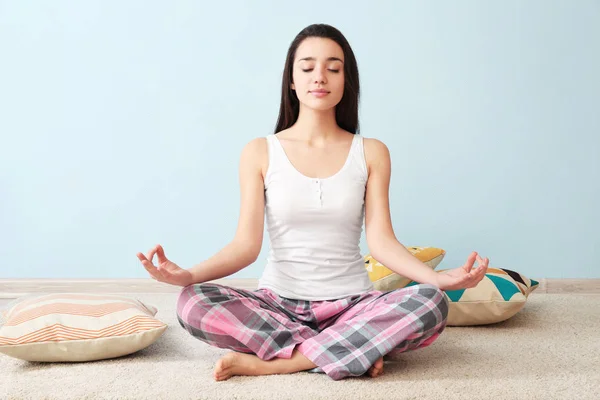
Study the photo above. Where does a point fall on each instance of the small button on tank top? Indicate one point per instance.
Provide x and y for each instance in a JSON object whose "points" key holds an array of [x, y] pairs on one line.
{"points": [[314, 227]]}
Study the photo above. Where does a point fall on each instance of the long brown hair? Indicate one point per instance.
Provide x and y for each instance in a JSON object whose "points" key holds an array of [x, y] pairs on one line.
{"points": [[346, 111]]}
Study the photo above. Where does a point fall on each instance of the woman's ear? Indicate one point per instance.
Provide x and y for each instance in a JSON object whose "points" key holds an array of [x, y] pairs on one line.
{"points": [[293, 87]]}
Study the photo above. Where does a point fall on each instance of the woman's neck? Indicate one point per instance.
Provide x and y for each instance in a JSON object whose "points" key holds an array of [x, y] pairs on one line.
{"points": [[316, 126]]}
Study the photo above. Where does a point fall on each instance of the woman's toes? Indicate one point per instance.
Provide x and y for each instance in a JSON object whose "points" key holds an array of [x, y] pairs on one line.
{"points": [[376, 369], [375, 372], [223, 367]]}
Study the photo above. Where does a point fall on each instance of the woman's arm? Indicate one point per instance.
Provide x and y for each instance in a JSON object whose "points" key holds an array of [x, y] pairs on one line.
{"points": [[382, 242], [244, 249]]}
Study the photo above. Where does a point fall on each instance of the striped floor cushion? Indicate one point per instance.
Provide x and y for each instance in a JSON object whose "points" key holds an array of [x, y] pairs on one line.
{"points": [[501, 294], [77, 327]]}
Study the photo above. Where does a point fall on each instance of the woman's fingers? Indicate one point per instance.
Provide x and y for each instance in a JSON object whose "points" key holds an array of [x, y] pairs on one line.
{"points": [[143, 259], [470, 261], [160, 252], [472, 276], [479, 274], [151, 253], [147, 264], [483, 268], [156, 273], [483, 261]]}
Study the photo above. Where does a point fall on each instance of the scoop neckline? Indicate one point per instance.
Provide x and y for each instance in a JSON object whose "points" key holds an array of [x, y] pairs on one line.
{"points": [[348, 157]]}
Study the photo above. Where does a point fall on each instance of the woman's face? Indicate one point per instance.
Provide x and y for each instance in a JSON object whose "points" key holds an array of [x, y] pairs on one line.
{"points": [[318, 65]]}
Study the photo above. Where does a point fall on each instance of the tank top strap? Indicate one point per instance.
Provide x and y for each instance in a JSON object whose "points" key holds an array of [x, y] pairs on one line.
{"points": [[358, 155], [276, 152], [277, 157]]}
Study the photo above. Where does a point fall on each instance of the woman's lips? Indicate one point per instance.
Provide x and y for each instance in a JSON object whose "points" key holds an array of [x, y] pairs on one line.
{"points": [[319, 94]]}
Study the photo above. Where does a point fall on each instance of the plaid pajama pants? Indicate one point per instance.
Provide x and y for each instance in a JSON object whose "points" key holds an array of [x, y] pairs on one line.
{"points": [[342, 337]]}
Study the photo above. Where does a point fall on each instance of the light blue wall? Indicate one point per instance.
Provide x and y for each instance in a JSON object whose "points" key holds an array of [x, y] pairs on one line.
{"points": [[122, 123]]}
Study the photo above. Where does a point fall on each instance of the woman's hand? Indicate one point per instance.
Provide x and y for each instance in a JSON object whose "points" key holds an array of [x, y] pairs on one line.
{"points": [[167, 271], [464, 277]]}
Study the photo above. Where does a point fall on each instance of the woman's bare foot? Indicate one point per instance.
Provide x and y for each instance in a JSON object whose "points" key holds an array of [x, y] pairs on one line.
{"points": [[235, 363], [376, 369]]}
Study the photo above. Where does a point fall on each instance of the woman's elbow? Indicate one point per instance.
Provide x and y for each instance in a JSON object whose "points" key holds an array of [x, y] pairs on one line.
{"points": [[379, 244]]}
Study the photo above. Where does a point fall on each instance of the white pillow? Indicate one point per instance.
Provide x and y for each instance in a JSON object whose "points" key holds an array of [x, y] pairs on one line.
{"points": [[77, 327]]}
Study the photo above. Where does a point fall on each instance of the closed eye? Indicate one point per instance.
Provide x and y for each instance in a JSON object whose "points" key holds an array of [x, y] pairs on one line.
{"points": [[332, 70]]}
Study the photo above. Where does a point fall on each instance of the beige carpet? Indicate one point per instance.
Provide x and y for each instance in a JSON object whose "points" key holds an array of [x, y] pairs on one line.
{"points": [[550, 350]]}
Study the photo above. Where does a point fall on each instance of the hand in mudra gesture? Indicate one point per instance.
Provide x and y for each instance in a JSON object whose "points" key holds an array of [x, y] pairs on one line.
{"points": [[465, 276], [166, 271]]}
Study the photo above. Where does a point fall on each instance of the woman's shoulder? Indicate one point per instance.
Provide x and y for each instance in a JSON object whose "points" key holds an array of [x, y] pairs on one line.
{"points": [[256, 147], [375, 149], [256, 153], [256, 143]]}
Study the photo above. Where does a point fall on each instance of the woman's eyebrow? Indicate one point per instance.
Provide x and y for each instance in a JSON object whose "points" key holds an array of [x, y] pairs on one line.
{"points": [[313, 59]]}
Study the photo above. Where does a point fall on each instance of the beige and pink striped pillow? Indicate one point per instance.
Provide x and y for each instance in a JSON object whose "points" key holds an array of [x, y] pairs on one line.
{"points": [[77, 327]]}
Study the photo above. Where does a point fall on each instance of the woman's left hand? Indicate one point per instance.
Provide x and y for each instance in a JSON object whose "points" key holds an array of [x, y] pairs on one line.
{"points": [[465, 276]]}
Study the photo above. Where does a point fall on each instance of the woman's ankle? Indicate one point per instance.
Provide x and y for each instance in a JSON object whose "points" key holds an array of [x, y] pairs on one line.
{"points": [[298, 362]]}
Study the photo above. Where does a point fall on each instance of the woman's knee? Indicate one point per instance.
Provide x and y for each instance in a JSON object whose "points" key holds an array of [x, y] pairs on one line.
{"points": [[200, 296], [199, 291]]}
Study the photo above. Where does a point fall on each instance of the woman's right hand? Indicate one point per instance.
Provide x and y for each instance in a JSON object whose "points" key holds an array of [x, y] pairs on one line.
{"points": [[166, 271]]}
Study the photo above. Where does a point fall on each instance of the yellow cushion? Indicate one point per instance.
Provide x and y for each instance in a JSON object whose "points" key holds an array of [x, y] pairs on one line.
{"points": [[77, 327], [500, 295], [385, 279]]}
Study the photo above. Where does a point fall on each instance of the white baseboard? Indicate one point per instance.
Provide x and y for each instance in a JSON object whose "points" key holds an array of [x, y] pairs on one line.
{"points": [[13, 288]]}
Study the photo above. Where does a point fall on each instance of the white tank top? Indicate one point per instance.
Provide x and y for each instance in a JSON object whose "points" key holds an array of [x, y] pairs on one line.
{"points": [[314, 226]]}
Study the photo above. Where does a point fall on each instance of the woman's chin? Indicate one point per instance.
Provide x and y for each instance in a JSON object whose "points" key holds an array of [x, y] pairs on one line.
{"points": [[319, 105]]}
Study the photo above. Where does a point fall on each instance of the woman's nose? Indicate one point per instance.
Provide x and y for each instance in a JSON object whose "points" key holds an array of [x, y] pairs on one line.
{"points": [[319, 76]]}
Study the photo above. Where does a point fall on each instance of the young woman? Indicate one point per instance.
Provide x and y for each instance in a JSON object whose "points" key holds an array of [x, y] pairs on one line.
{"points": [[315, 180]]}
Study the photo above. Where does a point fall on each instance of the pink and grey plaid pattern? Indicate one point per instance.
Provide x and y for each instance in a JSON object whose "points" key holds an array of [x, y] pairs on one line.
{"points": [[343, 337]]}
